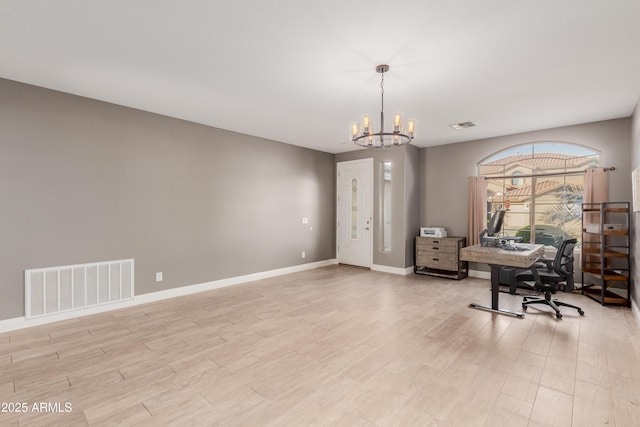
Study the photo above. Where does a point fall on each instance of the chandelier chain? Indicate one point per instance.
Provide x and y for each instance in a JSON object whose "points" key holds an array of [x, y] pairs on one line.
{"points": [[381, 104], [382, 91]]}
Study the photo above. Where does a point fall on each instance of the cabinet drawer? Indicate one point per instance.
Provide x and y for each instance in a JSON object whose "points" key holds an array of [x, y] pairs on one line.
{"points": [[434, 245], [441, 261], [430, 253]]}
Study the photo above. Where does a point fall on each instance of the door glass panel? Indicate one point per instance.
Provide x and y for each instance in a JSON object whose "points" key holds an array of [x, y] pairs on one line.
{"points": [[386, 206], [354, 209]]}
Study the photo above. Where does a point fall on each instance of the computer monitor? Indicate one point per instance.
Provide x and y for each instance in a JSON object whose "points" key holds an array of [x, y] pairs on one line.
{"points": [[495, 224]]}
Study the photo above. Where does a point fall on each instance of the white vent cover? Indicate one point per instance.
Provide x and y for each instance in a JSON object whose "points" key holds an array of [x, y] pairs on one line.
{"points": [[54, 290], [462, 125]]}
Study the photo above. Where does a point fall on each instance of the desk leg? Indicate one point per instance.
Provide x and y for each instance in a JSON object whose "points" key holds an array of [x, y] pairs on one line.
{"points": [[495, 292]]}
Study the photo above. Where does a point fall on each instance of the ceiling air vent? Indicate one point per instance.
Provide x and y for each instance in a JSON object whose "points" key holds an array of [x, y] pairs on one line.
{"points": [[462, 125]]}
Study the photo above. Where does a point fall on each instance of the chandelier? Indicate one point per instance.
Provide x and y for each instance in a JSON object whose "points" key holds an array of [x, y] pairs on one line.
{"points": [[363, 135]]}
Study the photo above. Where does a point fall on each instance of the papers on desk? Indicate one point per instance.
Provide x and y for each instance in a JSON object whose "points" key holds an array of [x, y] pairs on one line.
{"points": [[517, 247]]}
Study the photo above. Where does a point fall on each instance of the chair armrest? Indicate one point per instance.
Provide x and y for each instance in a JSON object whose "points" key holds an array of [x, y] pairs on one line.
{"points": [[536, 276], [545, 262]]}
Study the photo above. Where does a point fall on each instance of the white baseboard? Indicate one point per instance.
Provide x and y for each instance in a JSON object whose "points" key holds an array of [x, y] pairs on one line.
{"points": [[394, 270], [23, 322]]}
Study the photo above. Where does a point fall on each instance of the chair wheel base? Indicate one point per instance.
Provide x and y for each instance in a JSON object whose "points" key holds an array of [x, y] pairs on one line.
{"points": [[551, 302]]}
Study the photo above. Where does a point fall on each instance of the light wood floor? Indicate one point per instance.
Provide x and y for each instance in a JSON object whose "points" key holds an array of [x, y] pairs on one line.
{"points": [[335, 346]]}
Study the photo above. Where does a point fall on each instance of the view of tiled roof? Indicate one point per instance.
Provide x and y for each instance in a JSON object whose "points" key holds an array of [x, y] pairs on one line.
{"points": [[524, 193], [538, 161]]}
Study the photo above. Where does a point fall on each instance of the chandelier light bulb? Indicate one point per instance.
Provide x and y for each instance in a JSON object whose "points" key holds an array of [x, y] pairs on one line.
{"points": [[366, 124], [411, 129], [397, 123]]}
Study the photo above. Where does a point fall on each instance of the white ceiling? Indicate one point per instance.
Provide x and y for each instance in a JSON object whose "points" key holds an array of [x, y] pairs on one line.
{"points": [[300, 72]]}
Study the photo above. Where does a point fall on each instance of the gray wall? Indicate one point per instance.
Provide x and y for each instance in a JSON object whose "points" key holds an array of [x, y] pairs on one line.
{"points": [[412, 184], [84, 181], [446, 167], [635, 218], [405, 172]]}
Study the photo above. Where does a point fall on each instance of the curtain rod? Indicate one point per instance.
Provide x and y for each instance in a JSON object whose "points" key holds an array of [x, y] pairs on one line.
{"points": [[612, 168]]}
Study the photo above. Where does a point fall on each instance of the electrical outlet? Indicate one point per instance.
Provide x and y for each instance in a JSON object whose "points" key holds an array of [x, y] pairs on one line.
{"points": [[303, 254], [159, 276]]}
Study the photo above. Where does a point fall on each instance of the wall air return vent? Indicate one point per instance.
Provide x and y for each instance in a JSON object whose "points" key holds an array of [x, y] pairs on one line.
{"points": [[54, 290]]}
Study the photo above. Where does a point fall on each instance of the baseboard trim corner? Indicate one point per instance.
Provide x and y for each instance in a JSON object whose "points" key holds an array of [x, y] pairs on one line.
{"points": [[393, 270]]}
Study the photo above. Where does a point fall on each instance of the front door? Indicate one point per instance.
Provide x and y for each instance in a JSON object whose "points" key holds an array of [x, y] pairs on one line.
{"points": [[354, 207]]}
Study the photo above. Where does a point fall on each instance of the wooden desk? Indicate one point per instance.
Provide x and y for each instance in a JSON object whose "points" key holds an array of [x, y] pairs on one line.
{"points": [[496, 258]]}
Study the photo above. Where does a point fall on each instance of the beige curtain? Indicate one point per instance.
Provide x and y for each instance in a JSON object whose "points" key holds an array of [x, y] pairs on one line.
{"points": [[476, 209], [596, 186], [596, 190]]}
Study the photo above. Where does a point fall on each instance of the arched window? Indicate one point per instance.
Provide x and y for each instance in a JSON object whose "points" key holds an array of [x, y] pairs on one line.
{"points": [[540, 185]]}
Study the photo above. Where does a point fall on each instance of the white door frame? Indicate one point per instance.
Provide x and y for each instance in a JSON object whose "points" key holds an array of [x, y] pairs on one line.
{"points": [[367, 164]]}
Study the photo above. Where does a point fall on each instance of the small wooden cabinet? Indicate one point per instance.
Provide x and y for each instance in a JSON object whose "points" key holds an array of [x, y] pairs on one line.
{"points": [[440, 256]]}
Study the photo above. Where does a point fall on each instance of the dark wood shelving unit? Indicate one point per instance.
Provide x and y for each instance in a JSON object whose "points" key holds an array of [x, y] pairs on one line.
{"points": [[606, 263]]}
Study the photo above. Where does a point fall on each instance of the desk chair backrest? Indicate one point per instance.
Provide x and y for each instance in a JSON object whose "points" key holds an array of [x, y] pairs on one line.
{"points": [[563, 262]]}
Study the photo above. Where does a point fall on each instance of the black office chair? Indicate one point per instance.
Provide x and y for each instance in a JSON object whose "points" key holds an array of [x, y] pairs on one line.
{"points": [[550, 277]]}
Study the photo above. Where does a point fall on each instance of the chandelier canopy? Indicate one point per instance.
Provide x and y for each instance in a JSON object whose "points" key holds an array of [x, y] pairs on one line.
{"points": [[363, 135]]}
